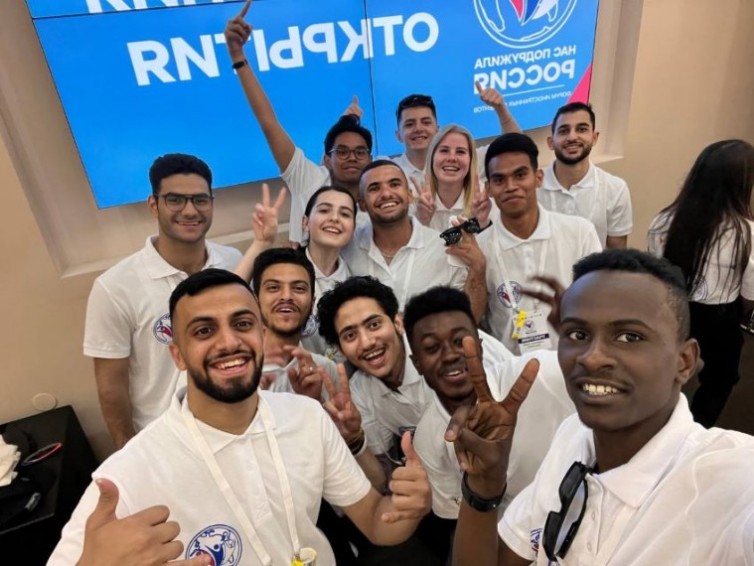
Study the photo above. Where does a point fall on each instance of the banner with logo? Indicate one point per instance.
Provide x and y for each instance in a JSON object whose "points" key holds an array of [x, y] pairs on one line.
{"points": [[140, 78]]}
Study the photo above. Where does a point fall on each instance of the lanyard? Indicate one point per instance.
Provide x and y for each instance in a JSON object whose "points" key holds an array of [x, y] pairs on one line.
{"points": [[508, 282], [230, 497]]}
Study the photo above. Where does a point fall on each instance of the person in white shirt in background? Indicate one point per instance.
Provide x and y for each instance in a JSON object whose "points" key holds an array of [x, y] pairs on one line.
{"points": [[708, 231], [630, 479], [436, 323], [128, 330], [572, 184], [347, 145], [525, 241], [241, 472]]}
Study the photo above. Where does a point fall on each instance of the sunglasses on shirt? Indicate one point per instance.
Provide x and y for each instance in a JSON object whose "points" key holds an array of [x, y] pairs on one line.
{"points": [[569, 487]]}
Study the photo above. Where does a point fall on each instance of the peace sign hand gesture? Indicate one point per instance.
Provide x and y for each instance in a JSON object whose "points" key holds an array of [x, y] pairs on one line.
{"points": [[340, 406], [264, 222], [482, 434], [425, 204]]}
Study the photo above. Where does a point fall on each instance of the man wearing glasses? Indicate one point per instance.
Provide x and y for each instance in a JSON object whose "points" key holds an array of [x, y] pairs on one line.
{"points": [[128, 330], [631, 479], [347, 147]]}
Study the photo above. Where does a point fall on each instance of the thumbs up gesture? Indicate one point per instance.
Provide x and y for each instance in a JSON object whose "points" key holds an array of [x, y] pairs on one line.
{"points": [[354, 108], [145, 538], [412, 496]]}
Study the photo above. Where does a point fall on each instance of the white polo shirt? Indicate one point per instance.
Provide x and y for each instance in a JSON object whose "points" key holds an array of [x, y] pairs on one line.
{"points": [[685, 498], [127, 317], [420, 264], [599, 197], [317, 462], [384, 411], [557, 243], [719, 284], [539, 418], [310, 339], [303, 177]]}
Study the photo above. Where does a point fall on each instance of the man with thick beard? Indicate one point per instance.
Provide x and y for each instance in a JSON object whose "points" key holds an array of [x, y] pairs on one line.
{"points": [[241, 472], [572, 184]]}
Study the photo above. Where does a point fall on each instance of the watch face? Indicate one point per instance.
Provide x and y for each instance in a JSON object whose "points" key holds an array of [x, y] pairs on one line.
{"points": [[451, 236]]}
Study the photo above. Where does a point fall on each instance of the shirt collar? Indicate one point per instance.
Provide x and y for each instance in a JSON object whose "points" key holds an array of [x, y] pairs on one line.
{"points": [[507, 240], [366, 242], [552, 184], [157, 267]]}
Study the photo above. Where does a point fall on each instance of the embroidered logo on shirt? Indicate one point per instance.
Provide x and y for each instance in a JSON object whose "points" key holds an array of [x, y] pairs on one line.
{"points": [[311, 326], [162, 329], [221, 542], [536, 534], [504, 294]]}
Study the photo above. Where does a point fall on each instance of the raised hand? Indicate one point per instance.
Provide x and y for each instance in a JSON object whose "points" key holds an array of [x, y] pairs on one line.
{"points": [[341, 408], [490, 96], [482, 204], [553, 299], [468, 251], [306, 379], [264, 222], [425, 204], [482, 434], [411, 493], [145, 538], [354, 108], [237, 32]]}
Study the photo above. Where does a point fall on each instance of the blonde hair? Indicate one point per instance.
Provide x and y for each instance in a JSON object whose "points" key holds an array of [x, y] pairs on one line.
{"points": [[468, 180]]}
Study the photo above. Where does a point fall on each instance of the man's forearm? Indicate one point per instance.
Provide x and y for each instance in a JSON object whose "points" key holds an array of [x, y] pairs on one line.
{"points": [[476, 289], [476, 539], [118, 418]]}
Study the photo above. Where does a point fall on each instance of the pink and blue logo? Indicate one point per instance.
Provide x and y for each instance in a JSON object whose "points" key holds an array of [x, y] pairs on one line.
{"points": [[162, 329], [520, 24]]}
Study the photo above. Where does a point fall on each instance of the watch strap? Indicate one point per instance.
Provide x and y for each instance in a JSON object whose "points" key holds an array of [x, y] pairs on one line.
{"points": [[478, 503]]}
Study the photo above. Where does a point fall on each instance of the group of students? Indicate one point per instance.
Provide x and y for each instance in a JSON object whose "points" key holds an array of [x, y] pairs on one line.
{"points": [[440, 310]]}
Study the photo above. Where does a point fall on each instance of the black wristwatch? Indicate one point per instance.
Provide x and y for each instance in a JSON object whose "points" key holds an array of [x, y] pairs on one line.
{"points": [[476, 502]]}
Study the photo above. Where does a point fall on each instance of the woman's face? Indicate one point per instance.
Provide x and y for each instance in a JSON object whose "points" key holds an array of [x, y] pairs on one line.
{"points": [[452, 159], [331, 220]]}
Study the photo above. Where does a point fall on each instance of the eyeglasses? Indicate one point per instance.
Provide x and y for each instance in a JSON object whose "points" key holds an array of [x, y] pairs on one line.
{"points": [[575, 476], [177, 202], [342, 152], [453, 234]]}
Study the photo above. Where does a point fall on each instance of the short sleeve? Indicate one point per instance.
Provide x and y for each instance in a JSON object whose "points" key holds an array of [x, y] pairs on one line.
{"points": [[108, 328], [378, 436], [344, 481], [620, 215]]}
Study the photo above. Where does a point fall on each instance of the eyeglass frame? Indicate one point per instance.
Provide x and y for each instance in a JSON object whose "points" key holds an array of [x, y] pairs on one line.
{"points": [[452, 235], [334, 152], [186, 199], [567, 490]]}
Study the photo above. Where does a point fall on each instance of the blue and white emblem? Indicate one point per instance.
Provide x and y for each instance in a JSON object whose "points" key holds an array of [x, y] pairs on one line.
{"points": [[163, 330], [523, 23], [507, 296], [220, 542], [312, 324]]}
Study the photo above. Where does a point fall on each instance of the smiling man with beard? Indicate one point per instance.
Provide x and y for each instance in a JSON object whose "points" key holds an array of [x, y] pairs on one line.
{"points": [[572, 184], [283, 281], [240, 472]]}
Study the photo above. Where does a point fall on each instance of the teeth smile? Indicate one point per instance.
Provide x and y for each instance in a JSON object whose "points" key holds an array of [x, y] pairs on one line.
{"points": [[373, 355], [231, 364], [598, 389]]}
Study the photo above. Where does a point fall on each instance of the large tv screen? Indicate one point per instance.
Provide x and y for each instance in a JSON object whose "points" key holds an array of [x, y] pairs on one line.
{"points": [[140, 78]]}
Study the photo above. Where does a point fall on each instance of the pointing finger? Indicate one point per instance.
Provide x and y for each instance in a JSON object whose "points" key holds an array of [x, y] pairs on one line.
{"points": [[244, 10]]}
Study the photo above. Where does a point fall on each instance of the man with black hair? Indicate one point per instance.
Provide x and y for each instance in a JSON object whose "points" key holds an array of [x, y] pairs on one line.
{"points": [[241, 472], [347, 146], [524, 242], [128, 329], [630, 479], [572, 184], [436, 323]]}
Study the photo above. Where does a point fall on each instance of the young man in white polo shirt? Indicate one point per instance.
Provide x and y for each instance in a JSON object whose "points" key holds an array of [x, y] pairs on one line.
{"points": [[398, 250], [572, 184], [436, 323], [348, 145], [241, 472], [630, 479], [525, 241], [361, 317], [128, 330]]}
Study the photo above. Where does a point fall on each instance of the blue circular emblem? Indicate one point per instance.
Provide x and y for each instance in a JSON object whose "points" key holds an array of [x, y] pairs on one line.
{"points": [[523, 23], [504, 295], [220, 542], [162, 329], [312, 324]]}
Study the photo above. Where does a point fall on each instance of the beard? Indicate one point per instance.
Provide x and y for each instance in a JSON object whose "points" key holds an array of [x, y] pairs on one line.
{"points": [[234, 391], [560, 156], [288, 332]]}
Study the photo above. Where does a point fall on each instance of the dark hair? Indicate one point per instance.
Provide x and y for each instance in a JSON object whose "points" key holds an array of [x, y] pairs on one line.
{"points": [[275, 256], [635, 261], [574, 107], [509, 143], [177, 164], [715, 198], [381, 163], [201, 281], [313, 199], [433, 301], [347, 123], [415, 101], [352, 288]]}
